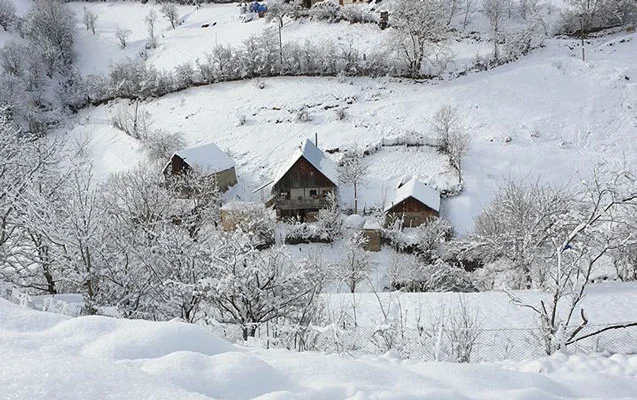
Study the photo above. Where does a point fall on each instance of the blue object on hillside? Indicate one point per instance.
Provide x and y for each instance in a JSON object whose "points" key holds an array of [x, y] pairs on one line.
{"points": [[258, 7]]}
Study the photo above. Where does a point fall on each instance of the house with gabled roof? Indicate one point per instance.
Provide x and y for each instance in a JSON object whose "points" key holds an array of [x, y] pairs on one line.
{"points": [[207, 161], [301, 186], [413, 202]]}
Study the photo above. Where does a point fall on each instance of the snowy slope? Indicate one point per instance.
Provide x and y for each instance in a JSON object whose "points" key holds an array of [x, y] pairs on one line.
{"points": [[563, 116], [49, 356]]}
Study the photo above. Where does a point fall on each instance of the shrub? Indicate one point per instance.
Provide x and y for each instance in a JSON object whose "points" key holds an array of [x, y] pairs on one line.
{"points": [[326, 11], [306, 233]]}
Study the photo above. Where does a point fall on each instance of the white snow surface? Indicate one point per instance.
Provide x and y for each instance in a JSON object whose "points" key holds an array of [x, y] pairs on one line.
{"points": [[563, 115], [208, 158], [419, 191], [49, 356], [314, 156]]}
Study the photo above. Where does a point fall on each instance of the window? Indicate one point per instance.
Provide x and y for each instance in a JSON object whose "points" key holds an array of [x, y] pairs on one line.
{"points": [[313, 193]]}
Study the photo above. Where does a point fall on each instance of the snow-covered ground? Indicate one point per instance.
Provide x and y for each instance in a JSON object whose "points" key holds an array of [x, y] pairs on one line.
{"points": [[190, 41], [563, 116], [47, 356]]}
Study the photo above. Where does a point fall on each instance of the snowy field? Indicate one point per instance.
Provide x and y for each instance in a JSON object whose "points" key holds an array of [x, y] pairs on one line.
{"points": [[49, 356], [563, 116], [189, 41]]}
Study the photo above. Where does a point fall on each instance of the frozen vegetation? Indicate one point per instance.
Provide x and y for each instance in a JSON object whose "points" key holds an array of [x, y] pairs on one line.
{"points": [[514, 121]]}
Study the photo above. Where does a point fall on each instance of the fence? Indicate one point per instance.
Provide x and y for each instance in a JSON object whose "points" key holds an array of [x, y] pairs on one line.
{"points": [[434, 344], [479, 345]]}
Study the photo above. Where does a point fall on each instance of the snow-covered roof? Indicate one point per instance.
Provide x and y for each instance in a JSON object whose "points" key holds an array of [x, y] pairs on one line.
{"points": [[419, 191], [209, 158], [372, 225], [314, 156]]}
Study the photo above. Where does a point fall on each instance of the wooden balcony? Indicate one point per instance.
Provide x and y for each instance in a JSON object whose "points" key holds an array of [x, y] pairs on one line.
{"points": [[303, 204]]}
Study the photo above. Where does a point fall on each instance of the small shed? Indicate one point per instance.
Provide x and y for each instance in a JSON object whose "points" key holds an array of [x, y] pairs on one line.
{"points": [[372, 234], [207, 160], [414, 203]]}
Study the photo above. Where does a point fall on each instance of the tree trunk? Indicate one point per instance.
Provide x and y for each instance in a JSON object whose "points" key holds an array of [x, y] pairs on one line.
{"points": [[248, 331], [355, 198]]}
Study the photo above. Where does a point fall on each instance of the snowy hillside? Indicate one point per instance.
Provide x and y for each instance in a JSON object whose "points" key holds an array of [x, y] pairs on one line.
{"points": [[50, 356], [562, 115]]}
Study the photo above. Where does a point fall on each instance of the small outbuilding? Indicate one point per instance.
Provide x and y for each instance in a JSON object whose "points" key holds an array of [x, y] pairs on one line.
{"points": [[372, 235], [414, 203], [208, 161]]}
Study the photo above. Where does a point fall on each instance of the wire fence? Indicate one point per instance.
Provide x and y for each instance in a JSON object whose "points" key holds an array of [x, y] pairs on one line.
{"points": [[432, 344], [475, 345]]}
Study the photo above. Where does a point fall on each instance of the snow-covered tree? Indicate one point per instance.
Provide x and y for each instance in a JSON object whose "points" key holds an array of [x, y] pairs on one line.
{"points": [[459, 145], [445, 123], [468, 6], [7, 14], [151, 20], [161, 145], [355, 263], [251, 287], [329, 218], [514, 226], [352, 171], [419, 26], [495, 10], [170, 12], [51, 25], [122, 35], [277, 10], [89, 18], [13, 58], [577, 241], [430, 236]]}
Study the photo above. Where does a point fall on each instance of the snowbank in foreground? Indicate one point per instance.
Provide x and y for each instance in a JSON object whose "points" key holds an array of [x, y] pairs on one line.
{"points": [[51, 356]]}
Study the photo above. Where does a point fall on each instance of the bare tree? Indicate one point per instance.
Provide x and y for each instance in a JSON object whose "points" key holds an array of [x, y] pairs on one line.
{"points": [[445, 123], [122, 35], [419, 26], [495, 11], [468, 10], [277, 10], [169, 11], [151, 21], [7, 14], [355, 263], [463, 331], [132, 120], [51, 26], [352, 171], [89, 18], [459, 145], [579, 240], [13, 58]]}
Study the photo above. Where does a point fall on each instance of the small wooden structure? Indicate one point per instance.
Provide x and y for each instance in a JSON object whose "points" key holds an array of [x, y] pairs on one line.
{"points": [[301, 186], [414, 203], [208, 161], [372, 234], [384, 20]]}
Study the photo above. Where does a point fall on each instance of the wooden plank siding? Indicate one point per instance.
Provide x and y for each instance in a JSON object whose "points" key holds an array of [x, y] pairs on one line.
{"points": [[301, 175], [413, 212]]}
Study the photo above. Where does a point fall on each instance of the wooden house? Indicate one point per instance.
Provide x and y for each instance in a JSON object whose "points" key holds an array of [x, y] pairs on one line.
{"points": [[208, 161], [414, 203], [301, 186]]}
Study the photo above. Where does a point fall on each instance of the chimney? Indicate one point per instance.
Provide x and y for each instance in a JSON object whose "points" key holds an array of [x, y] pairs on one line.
{"points": [[316, 139]]}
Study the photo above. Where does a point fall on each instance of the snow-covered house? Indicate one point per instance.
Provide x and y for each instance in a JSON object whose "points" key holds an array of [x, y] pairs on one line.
{"points": [[208, 161], [414, 203], [301, 186]]}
